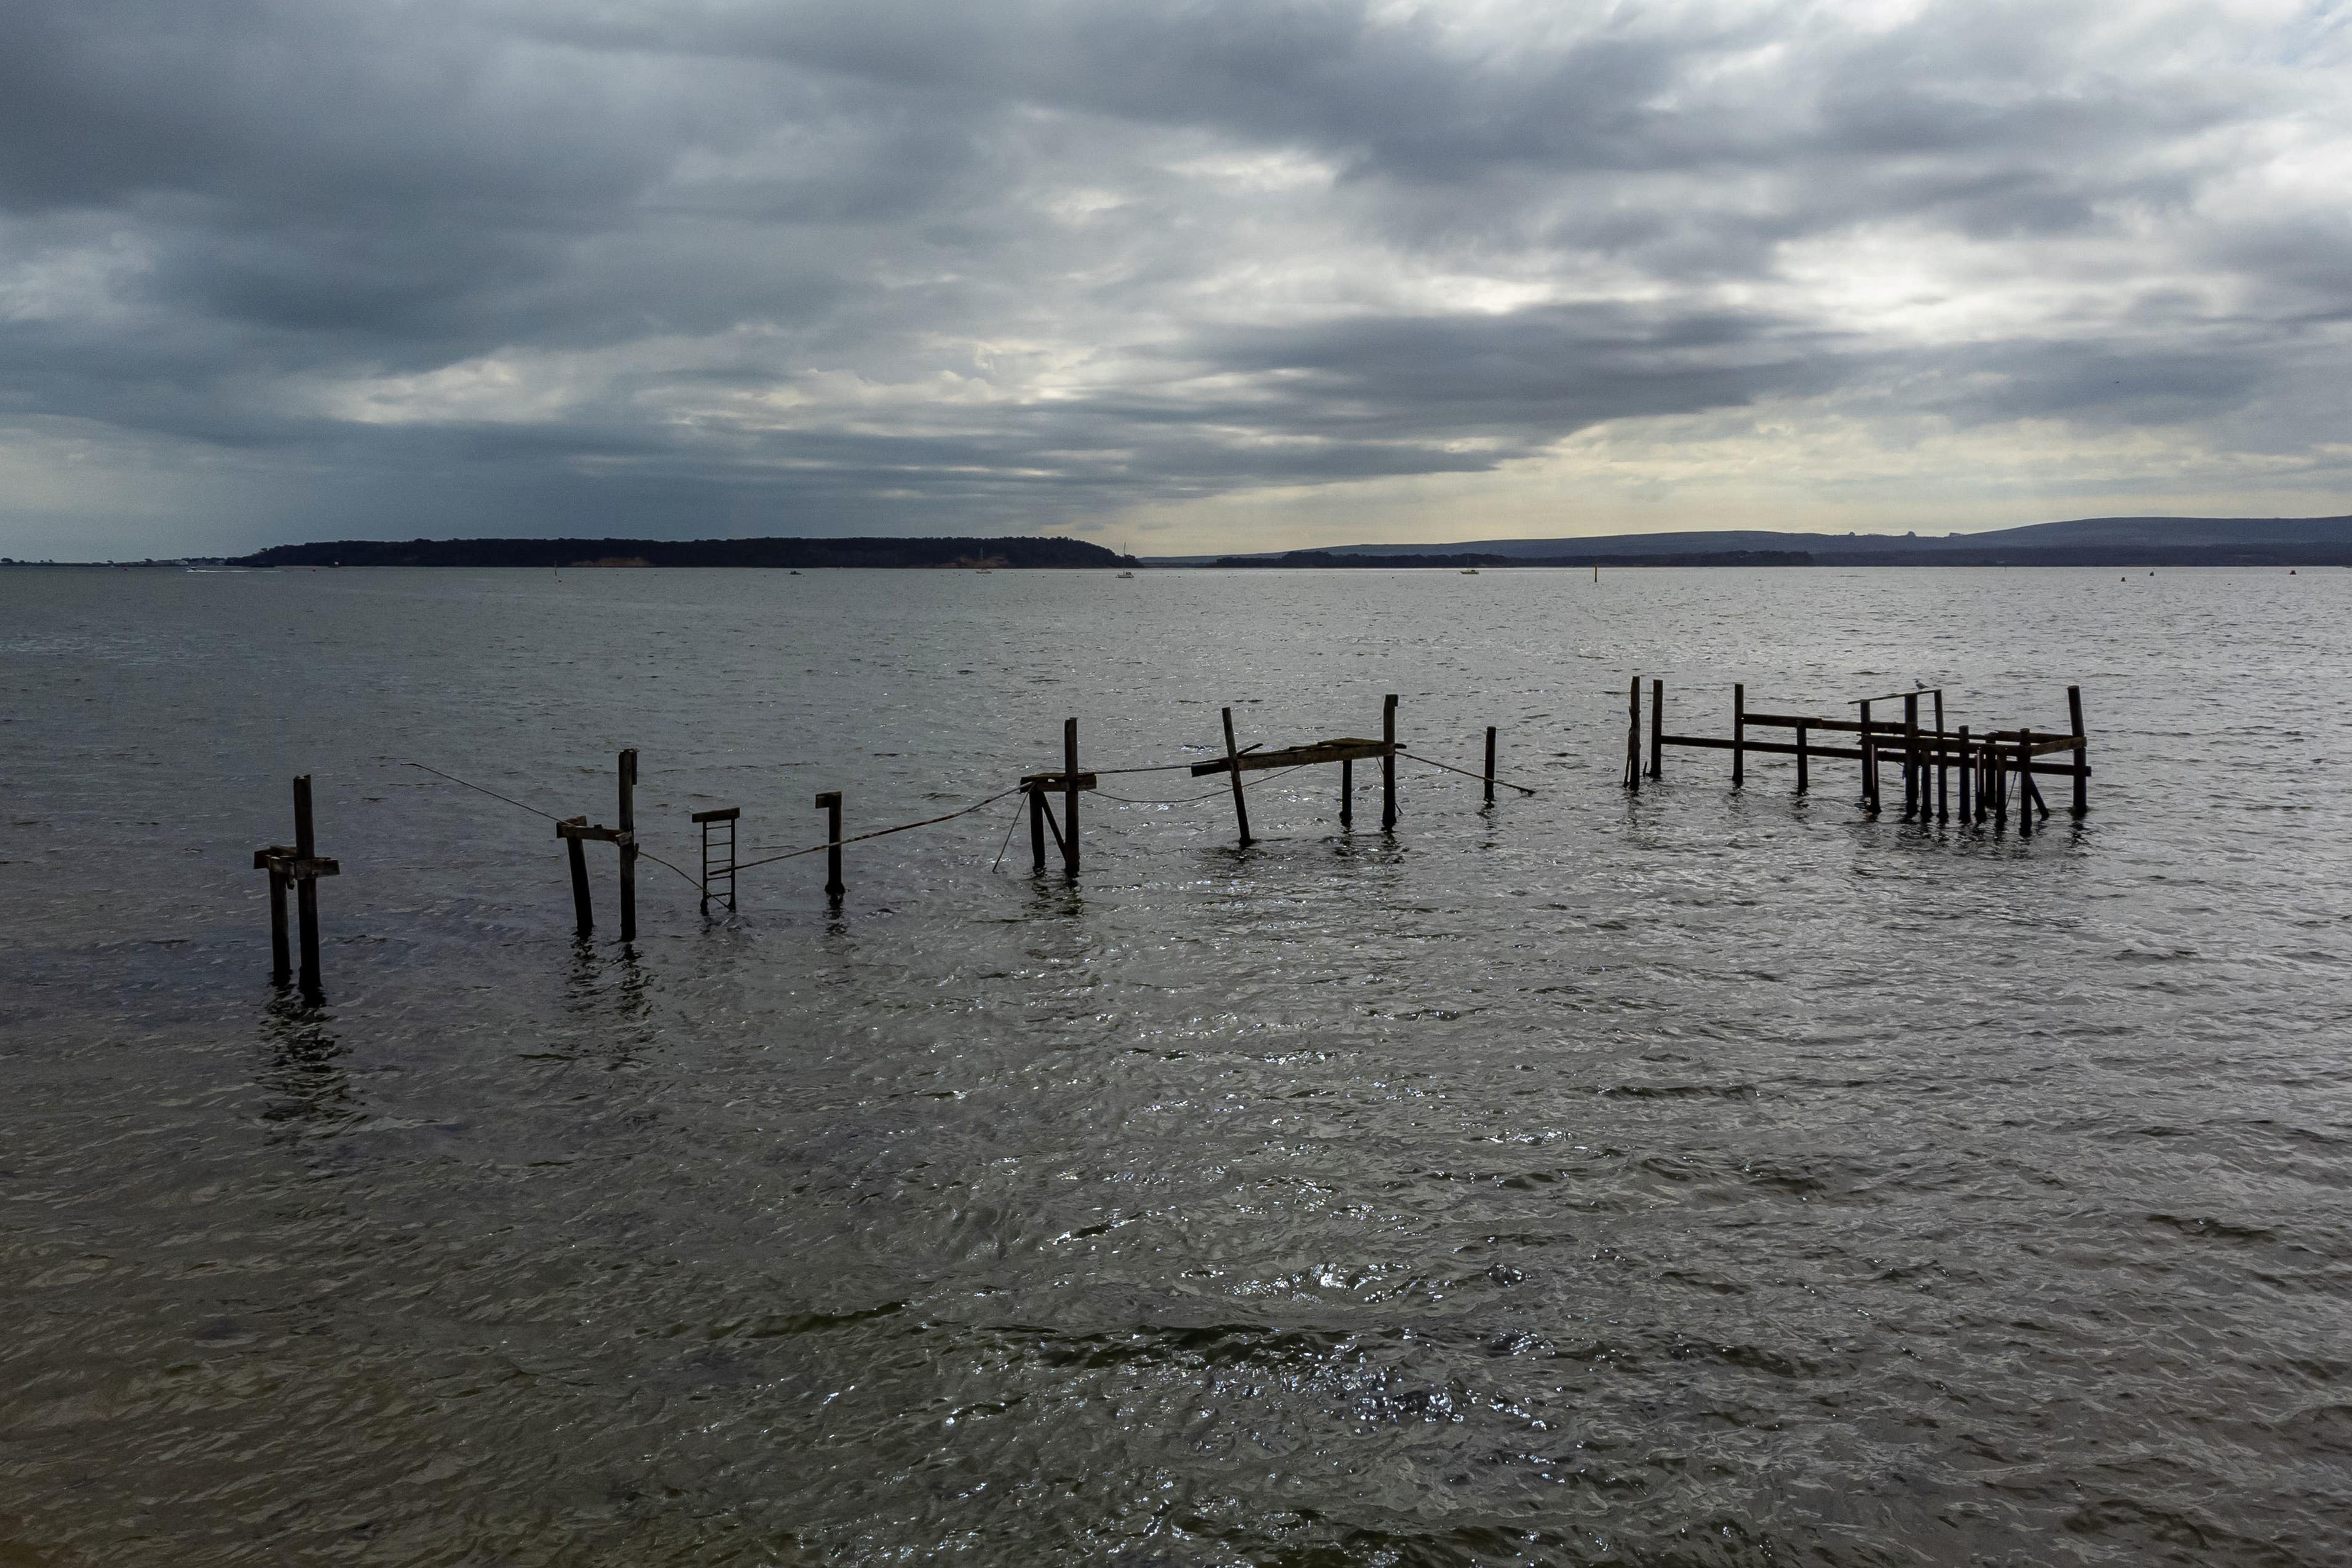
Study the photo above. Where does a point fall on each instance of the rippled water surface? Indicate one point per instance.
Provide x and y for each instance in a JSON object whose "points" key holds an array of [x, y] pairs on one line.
{"points": [[1699, 1177]]}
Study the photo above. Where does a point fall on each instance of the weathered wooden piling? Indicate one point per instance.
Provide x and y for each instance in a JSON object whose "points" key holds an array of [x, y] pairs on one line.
{"points": [[301, 865], [583, 914], [1869, 764], [2081, 751], [830, 804], [1738, 735], [1490, 764], [1657, 728], [1234, 762], [281, 948], [1943, 800], [576, 830], [1804, 775], [1634, 735], [628, 842], [1967, 766], [1911, 806], [1347, 793], [1070, 796], [1388, 762]]}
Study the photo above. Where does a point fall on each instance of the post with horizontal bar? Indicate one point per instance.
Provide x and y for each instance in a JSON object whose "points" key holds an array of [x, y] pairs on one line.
{"points": [[1234, 762], [2081, 751], [1348, 793], [1388, 762], [1739, 734], [300, 865], [1490, 764], [830, 804], [1804, 777], [628, 814], [1070, 796]]}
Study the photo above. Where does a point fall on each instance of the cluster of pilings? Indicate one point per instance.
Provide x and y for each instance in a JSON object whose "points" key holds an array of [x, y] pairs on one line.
{"points": [[1936, 762]]}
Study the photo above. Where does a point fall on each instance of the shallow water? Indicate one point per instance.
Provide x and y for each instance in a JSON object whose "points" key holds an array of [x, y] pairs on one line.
{"points": [[1699, 1177]]}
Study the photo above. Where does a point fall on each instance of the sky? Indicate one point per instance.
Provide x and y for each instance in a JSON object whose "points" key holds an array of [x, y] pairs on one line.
{"points": [[1197, 275]]}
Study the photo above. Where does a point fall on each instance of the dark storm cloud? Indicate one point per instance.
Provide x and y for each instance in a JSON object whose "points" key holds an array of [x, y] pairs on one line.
{"points": [[879, 264]]}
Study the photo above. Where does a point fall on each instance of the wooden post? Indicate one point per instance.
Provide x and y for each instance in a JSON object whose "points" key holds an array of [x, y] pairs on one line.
{"points": [[1968, 765], [1657, 729], [1634, 736], [1347, 794], [830, 801], [583, 916], [1739, 734], [1038, 826], [1233, 762], [1490, 764], [1869, 764], [1388, 764], [2081, 751], [1943, 768], [1911, 802], [306, 889], [628, 825], [1069, 796], [1997, 783], [2024, 786], [1804, 777], [282, 953]]}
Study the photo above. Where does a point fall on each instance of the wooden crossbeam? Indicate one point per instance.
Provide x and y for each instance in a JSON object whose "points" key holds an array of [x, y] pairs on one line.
{"points": [[1059, 781], [578, 827], [1855, 753], [1345, 750], [293, 867]]}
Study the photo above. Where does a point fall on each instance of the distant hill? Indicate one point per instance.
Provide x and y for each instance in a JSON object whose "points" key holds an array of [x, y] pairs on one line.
{"points": [[2083, 542], [1012, 554]]}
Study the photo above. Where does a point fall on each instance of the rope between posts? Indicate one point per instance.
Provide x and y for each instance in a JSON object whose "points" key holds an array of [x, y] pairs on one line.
{"points": [[643, 853], [1189, 799], [1465, 773], [877, 833]]}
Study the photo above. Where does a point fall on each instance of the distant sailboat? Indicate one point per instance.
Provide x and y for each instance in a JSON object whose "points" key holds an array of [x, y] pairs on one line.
{"points": [[1470, 571]]}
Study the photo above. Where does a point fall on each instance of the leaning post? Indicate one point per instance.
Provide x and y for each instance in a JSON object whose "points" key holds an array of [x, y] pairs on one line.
{"points": [[1234, 765], [1490, 764], [584, 915]]}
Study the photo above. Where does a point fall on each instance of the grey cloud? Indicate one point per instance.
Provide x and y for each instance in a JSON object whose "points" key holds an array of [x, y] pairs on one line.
{"points": [[801, 262]]}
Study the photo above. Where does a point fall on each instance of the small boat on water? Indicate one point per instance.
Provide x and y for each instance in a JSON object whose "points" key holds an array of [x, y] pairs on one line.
{"points": [[1469, 571], [1126, 576]]}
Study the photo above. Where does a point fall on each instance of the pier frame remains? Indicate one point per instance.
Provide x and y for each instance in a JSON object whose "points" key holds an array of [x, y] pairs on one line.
{"points": [[1930, 756]]}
